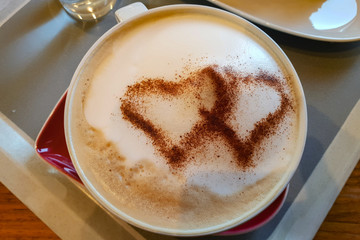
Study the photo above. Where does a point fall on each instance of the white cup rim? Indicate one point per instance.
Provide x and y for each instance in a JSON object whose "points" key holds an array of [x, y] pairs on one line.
{"points": [[175, 232]]}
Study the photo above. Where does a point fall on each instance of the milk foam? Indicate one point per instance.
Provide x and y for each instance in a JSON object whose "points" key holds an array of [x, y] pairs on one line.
{"points": [[124, 160], [192, 42]]}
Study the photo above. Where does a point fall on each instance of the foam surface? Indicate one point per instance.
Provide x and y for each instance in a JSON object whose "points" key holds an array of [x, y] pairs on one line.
{"points": [[190, 80]]}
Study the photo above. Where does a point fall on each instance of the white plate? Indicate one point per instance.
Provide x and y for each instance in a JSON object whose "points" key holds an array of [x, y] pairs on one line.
{"points": [[324, 20]]}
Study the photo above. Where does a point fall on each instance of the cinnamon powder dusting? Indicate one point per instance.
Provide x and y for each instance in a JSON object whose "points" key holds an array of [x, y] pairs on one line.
{"points": [[214, 122]]}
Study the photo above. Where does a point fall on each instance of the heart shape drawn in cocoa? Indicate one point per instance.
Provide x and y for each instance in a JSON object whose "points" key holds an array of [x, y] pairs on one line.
{"points": [[221, 84]]}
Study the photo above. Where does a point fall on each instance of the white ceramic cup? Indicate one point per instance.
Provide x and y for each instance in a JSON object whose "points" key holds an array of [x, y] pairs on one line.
{"points": [[138, 11]]}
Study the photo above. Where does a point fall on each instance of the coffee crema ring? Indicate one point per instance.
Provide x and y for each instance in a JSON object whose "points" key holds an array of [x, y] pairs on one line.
{"points": [[223, 83]]}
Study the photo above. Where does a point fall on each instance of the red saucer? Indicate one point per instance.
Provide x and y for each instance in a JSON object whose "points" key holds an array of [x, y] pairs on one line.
{"points": [[51, 146]]}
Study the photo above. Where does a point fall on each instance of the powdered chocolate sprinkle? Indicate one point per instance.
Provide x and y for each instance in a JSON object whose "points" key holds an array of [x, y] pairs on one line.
{"points": [[213, 123]]}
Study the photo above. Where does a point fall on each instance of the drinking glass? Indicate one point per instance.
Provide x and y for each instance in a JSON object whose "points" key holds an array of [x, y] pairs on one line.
{"points": [[87, 10]]}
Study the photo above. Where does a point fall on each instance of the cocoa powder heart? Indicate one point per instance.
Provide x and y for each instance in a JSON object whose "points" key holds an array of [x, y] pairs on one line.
{"points": [[222, 84]]}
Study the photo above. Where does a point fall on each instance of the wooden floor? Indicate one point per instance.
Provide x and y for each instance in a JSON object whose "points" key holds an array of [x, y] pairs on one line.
{"points": [[342, 222]]}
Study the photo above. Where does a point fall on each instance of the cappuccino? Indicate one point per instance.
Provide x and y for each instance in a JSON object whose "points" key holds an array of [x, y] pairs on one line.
{"points": [[184, 122]]}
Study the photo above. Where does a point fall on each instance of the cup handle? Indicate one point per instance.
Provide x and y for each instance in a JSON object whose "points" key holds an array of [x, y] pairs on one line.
{"points": [[129, 11]]}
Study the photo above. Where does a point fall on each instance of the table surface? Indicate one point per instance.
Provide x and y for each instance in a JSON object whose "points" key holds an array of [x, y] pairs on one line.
{"points": [[39, 56], [342, 222]]}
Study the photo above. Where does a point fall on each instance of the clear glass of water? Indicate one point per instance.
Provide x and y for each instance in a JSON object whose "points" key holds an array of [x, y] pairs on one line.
{"points": [[87, 10]]}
